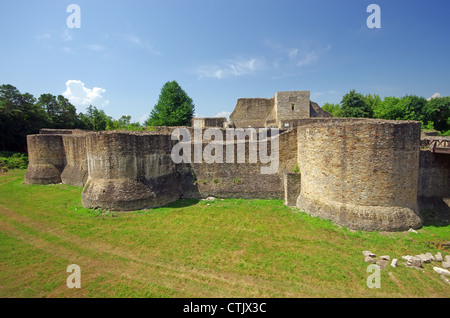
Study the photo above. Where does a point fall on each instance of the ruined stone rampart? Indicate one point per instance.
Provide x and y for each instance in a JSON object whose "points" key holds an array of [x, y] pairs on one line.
{"points": [[360, 173], [76, 169], [251, 112], [129, 171], [47, 159], [434, 186]]}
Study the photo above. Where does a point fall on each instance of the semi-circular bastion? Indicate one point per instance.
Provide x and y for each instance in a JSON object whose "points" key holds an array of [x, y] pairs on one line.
{"points": [[362, 174], [359, 173]]}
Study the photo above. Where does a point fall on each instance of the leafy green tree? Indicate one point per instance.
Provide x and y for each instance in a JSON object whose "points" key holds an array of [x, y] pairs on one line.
{"points": [[354, 105], [437, 111], [373, 101], [19, 117], [395, 108], [60, 113], [123, 123], [94, 119], [174, 107], [418, 105], [333, 109]]}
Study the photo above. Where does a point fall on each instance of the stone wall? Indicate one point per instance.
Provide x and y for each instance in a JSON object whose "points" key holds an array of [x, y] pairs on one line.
{"points": [[129, 171], [46, 159], [434, 187], [292, 105], [76, 169], [218, 122], [360, 174], [251, 112], [316, 111], [434, 175]]}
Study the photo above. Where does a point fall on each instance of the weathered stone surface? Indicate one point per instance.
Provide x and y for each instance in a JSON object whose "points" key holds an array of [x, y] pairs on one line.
{"points": [[430, 256], [382, 263], [76, 170], [434, 186], [369, 259], [359, 173], [394, 262], [218, 122], [316, 111], [413, 261], [445, 279], [439, 257], [369, 253], [445, 264], [441, 271], [251, 112], [362, 201], [291, 188], [385, 257], [424, 258], [46, 159], [292, 104]]}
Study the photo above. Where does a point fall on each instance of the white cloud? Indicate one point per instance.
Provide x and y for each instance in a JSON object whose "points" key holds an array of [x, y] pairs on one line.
{"points": [[304, 57], [141, 43], [95, 47], [66, 35], [435, 95], [298, 56], [81, 96], [231, 68], [223, 114], [43, 36]]}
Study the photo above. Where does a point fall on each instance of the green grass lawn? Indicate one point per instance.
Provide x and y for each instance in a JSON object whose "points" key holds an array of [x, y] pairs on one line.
{"points": [[224, 248]]}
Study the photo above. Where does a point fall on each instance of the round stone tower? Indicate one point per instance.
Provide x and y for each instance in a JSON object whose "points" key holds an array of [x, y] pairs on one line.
{"points": [[362, 174], [76, 171], [46, 159], [129, 171]]}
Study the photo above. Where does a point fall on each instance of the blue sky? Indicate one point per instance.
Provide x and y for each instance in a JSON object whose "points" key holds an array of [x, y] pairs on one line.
{"points": [[219, 51]]}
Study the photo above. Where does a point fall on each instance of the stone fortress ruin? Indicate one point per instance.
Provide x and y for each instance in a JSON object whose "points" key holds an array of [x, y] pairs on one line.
{"points": [[365, 174]]}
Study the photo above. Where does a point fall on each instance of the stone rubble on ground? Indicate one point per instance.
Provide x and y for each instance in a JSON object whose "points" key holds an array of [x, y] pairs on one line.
{"points": [[446, 264], [382, 263], [368, 253], [416, 261], [369, 259], [441, 271], [413, 261], [424, 258], [394, 262]]}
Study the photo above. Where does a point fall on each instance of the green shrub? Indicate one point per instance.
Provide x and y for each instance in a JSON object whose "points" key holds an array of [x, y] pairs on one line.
{"points": [[11, 160]]}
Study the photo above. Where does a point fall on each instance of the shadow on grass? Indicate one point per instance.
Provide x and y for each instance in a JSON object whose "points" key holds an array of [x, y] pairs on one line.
{"points": [[182, 203]]}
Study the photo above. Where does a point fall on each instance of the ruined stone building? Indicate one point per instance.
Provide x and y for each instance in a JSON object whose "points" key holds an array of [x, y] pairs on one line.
{"points": [[364, 174]]}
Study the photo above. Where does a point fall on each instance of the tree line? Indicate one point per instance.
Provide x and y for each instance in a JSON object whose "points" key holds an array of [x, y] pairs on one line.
{"points": [[22, 114], [433, 113]]}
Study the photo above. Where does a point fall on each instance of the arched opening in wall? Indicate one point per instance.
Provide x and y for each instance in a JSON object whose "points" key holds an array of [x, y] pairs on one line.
{"points": [[293, 106]]}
